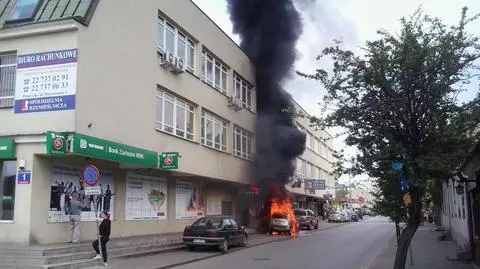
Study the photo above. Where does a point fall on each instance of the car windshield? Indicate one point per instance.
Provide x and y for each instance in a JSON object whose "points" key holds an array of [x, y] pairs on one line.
{"points": [[300, 213], [208, 223], [279, 216]]}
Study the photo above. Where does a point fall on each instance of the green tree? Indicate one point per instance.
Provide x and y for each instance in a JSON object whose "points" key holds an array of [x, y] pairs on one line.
{"points": [[398, 102]]}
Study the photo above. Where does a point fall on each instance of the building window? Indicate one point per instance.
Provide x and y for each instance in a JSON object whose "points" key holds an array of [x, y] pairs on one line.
{"points": [[301, 168], [243, 91], [24, 10], [175, 116], [174, 41], [214, 72], [308, 141], [7, 189], [312, 171], [312, 141], [8, 67], [242, 143], [214, 131]]}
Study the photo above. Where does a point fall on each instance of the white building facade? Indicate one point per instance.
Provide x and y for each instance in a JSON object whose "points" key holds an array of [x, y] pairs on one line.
{"points": [[147, 101]]}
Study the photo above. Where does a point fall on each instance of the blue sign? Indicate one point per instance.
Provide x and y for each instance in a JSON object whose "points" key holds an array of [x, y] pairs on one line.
{"points": [[90, 175], [318, 184], [403, 181], [45, 104], [24, 177], [397, 166]]}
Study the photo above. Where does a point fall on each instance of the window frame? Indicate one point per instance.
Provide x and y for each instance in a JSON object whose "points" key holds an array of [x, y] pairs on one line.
{"points": [[223, 72], [238, 85], [178, 34], [249, 139], [188, 108], [215, 120], [33, 13], [14, 77], [3, 187]]}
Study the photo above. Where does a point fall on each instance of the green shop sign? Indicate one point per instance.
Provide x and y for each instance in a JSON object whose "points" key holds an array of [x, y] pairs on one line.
{"points": [[169, 160], [7, 148], [56, 143], [107, 150]]}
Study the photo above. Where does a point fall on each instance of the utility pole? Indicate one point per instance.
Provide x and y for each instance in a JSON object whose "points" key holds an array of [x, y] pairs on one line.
{"points": [[350, 191]]}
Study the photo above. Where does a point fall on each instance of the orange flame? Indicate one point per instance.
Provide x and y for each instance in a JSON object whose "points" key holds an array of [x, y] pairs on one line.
{"points": [[285, 207]]}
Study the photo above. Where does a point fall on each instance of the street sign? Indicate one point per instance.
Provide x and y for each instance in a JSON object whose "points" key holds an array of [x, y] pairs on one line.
{"points": [[90, 175], [407, 199], [56, 143], [169, 160], [24, 177], [93, 190], [397, 165], [7, 148], [318, 184]]}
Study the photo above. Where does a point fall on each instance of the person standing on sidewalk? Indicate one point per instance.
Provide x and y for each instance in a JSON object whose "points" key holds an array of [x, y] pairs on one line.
{"points": [[104, 231], [75, 210]]}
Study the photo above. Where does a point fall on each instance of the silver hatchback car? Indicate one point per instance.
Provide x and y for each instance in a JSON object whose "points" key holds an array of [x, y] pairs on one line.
{"points": [[280, 223], [337, 216]]}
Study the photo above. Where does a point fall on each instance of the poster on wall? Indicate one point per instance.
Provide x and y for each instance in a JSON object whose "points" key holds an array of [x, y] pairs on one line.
{"points": [[214, 204], [46, 81], [67, 180], [189, 200], [146, 197]]}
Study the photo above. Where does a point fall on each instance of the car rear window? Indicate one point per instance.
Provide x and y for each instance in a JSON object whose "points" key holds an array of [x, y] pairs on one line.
{"points": [[208, 223], [279, 216], [300, 213]]}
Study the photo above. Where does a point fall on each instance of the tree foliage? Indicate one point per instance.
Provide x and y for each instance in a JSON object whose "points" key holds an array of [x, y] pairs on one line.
{"points": [[398, 101]]}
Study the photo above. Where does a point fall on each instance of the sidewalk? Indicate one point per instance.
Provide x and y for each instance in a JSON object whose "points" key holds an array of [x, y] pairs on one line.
{"points": [[428, 252], [176, 258]]}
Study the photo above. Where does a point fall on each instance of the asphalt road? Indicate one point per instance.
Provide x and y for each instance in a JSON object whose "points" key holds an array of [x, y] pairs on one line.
{"points": [[349, 246]]}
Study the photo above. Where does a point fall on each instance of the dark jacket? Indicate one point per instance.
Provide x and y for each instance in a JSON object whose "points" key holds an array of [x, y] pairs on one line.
{"points": [[105, 228]]}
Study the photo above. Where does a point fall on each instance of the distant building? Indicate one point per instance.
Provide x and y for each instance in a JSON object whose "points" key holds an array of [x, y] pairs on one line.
{"points": [[461, 206], [313, 184]]}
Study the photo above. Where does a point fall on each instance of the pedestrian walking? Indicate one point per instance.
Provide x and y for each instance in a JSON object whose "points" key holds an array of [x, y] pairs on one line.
{"points": [[75, 210], [104, 231]]}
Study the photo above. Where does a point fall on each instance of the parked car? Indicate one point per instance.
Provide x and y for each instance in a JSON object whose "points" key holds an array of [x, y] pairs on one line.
{"points": [[220, 232], [359, 213], [337, 216], [353, 216], [306, 218], [280, 223]]}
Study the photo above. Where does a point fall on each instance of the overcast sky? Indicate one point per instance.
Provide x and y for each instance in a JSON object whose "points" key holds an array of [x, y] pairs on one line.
{"points": [[354, 22]]}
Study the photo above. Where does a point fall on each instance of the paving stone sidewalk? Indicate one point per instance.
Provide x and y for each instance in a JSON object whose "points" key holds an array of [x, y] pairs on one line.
{"points": [[428, 252]]}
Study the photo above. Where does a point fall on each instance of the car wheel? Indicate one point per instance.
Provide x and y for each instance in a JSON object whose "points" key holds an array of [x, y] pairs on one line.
{"points": [[329, 221], [310, 226], [244, 240], [224, 246], [316, 226], [190, 248]]}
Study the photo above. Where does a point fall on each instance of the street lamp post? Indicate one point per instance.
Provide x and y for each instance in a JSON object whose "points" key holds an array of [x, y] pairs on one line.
{"points": [[350, 191]]}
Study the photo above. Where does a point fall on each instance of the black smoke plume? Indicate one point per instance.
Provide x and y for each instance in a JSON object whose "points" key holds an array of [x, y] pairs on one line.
{"points": [[269, 30]]}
